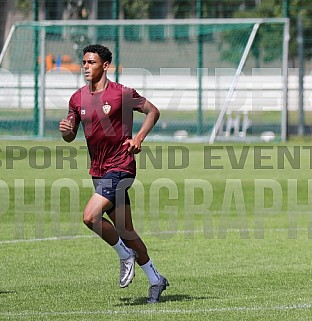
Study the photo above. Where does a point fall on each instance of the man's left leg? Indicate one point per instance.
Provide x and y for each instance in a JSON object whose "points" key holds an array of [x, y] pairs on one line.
{"points": [[122, 219]]}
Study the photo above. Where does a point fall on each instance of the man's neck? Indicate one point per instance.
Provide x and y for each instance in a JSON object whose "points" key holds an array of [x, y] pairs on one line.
{"points": [[99, 86]]}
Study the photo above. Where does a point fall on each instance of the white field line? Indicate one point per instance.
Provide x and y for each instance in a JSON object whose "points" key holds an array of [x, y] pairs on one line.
{"points": [[158, 311], [84, 236], [61, 238]]}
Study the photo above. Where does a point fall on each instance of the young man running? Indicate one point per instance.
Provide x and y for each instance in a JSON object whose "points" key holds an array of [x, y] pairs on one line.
{"points": [[105, 110]]}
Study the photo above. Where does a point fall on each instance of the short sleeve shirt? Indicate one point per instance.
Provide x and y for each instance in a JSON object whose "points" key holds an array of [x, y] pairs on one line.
{"points": [[107, 120]]}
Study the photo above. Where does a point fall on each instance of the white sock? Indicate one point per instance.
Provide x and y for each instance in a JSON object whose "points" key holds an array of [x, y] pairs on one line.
{"points": [[121, 249], [151, 272]]}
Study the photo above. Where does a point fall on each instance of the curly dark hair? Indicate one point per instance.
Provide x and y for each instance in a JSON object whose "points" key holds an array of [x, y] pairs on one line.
{"points": [[104, 53]]}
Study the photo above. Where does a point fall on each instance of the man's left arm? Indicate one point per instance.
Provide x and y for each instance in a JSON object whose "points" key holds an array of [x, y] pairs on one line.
{"points": [[152, 115]]}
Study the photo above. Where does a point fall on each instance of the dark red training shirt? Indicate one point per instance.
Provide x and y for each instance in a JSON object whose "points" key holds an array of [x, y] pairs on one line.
{"points": [[107, 119]]}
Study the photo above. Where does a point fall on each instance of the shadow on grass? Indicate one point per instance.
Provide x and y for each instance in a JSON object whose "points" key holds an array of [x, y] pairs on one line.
{"points": [[163, 298], [6, 292]]}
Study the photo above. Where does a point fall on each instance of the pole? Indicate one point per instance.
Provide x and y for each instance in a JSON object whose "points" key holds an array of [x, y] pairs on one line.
{"points": [[284, 129], [284, 125], [116, 31], [199, 14], [42, 82], [36, 68], [286, 8], [301, 73]]}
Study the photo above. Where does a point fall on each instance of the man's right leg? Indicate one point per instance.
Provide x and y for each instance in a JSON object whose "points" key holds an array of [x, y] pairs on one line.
{"points": [[93, 218]]}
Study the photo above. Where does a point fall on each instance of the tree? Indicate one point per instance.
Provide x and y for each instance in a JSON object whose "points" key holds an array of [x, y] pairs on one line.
{"points": [[224, 8], [77, 9], [183, 9], [136, 9], [24, 6], [274, 8], [264, 48]]}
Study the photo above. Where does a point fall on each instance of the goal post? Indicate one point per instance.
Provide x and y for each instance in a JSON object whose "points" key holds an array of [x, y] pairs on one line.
{"points": [[212, 79], [239, 69], [229, 94]]}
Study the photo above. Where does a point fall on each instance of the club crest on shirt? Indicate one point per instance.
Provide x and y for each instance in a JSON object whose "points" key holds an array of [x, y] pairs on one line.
{"points": [[106, 108]]}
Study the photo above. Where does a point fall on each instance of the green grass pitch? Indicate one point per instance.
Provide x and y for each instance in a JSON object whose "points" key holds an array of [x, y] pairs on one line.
{"points": [[229, 226]]}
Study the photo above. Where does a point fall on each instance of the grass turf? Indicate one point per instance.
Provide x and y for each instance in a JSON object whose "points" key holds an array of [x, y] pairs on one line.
{"points": [[231, 234]]}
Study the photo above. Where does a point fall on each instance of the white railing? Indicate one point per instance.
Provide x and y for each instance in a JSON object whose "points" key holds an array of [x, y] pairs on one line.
{"points": [[173, 92]]}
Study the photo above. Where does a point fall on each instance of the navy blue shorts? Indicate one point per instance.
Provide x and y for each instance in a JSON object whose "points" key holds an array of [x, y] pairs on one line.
{"points": [[114, 186]]}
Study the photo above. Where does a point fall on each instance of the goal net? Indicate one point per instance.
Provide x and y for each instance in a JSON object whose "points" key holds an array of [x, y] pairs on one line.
{"points": [[212, 79]]}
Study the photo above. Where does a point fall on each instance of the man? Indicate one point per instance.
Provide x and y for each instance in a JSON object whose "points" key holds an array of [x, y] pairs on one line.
{"points": [[105, 110]]}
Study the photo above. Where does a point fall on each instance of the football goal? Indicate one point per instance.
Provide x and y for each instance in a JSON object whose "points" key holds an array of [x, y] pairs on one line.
{"points": [[212, 79]]}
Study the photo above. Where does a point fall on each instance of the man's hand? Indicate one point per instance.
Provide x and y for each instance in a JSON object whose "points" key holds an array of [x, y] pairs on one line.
{"points": [[134, 145], [66, 127]]}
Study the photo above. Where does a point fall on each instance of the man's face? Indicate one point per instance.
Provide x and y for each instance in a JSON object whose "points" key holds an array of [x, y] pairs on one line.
{"points": [[93, 67]]}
